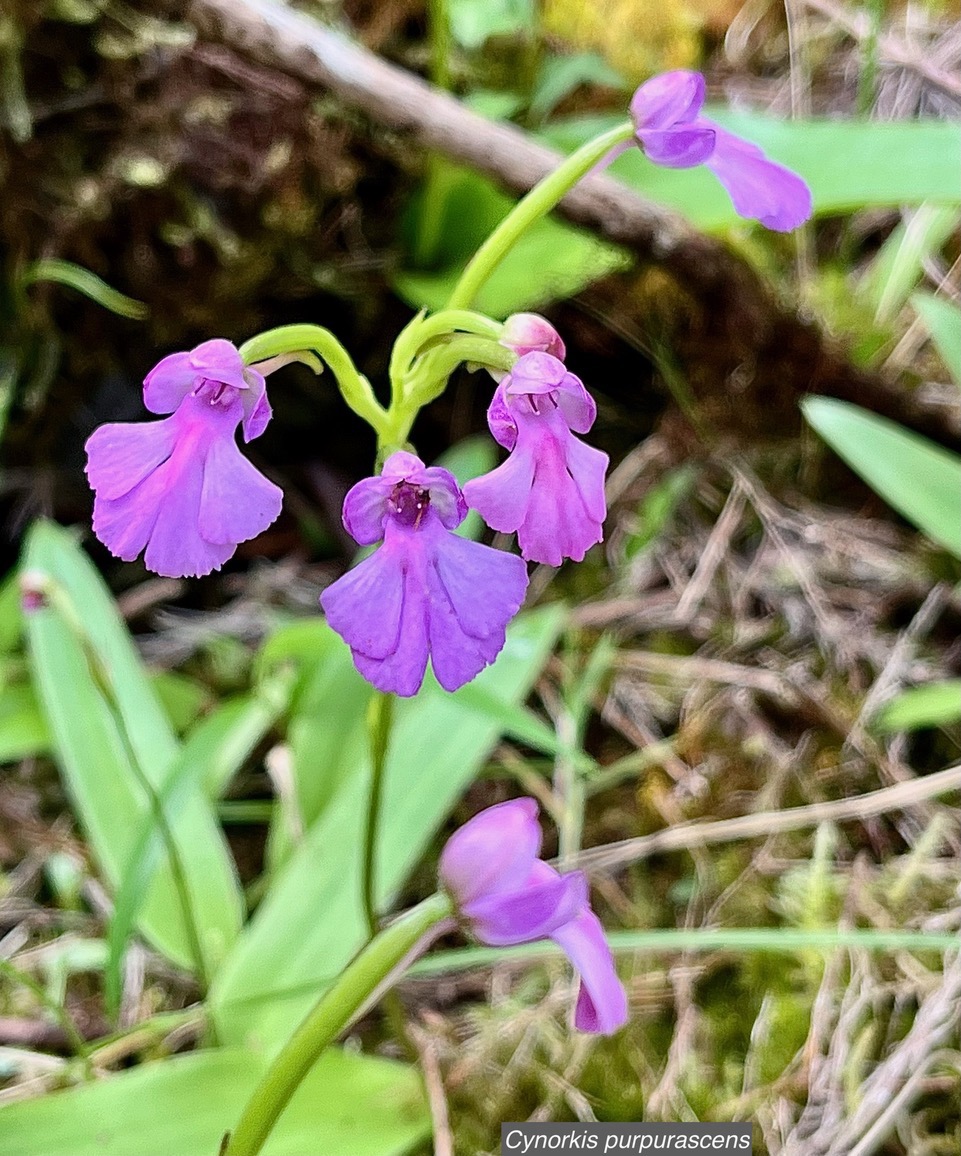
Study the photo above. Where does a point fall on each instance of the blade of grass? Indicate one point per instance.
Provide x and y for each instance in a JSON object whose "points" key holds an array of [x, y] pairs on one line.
{"points": [[777, 940]]}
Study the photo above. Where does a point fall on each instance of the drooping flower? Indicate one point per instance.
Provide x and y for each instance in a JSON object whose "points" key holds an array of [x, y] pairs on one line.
{"points": [[180, 489], [551, 488], [425, 591], [504, 895], [531, 333], [669, 128]]}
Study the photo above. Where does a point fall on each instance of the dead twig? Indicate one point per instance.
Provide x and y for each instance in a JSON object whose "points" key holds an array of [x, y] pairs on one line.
{"points": [[683, 836]]}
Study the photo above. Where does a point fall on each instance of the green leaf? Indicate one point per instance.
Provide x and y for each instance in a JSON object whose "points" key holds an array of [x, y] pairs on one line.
{"points": [[943, 321], [212, 754], [934, 705], [848, 164], [472, 22], [310, 923], [561, 75], [183, 1106], [326, 735], [107, 726], [657, 508], [11, 617], [23, 729], [919, 479], [566, 259], [92, 286], [183, 699]]}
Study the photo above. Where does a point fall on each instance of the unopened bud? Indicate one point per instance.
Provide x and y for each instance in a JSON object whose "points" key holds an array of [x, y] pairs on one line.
{"points": [[531, 333]]}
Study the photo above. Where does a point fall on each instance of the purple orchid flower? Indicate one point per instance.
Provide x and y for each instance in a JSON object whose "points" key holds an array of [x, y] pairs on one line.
{"points": [[504, 894], [180, 489], [426, 591], [671, 131], [551, 488]]}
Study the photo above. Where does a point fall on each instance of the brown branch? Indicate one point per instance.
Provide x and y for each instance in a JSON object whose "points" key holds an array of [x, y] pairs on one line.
{"points": [[742, 319]]}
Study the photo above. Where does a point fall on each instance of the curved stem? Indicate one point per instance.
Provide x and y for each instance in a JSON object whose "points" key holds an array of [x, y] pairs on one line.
{"points": [[329, 1017], [421, 330], [354, 387], [529, 210], [379, 718]]}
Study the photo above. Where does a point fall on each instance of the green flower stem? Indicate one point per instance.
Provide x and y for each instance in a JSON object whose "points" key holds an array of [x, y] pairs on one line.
{"points": [[380, 716], [529, 210], [420, 331], [428, 378], [329, 1017], [354, 387]]}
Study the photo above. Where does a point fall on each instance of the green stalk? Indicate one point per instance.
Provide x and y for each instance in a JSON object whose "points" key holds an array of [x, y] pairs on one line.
{"points": [[421, 330], [329, 1017], [287, 339], [530, 209], [379, 718]]}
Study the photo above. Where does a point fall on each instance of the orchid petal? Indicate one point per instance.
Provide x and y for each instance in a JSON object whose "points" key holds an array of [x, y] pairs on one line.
{"points": [[168, 383], [576, 404], [446, 496], [120, 455], [536, 911], [219, 360], [587, 467], [760, 189], [500, 420], [601, 1000], [366, 604], [257, 411], [402, 671], [493, 852], [365, 509], [176, 548], [466, 568], [679, 148], [236, 501], [667, 100], [502, 496]]}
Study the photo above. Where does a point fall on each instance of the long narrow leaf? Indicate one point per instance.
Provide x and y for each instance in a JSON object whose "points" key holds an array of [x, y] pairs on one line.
{"points": [[182, 1107], [943, 321], [111, 737], [310, 923], [919, 479]]}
